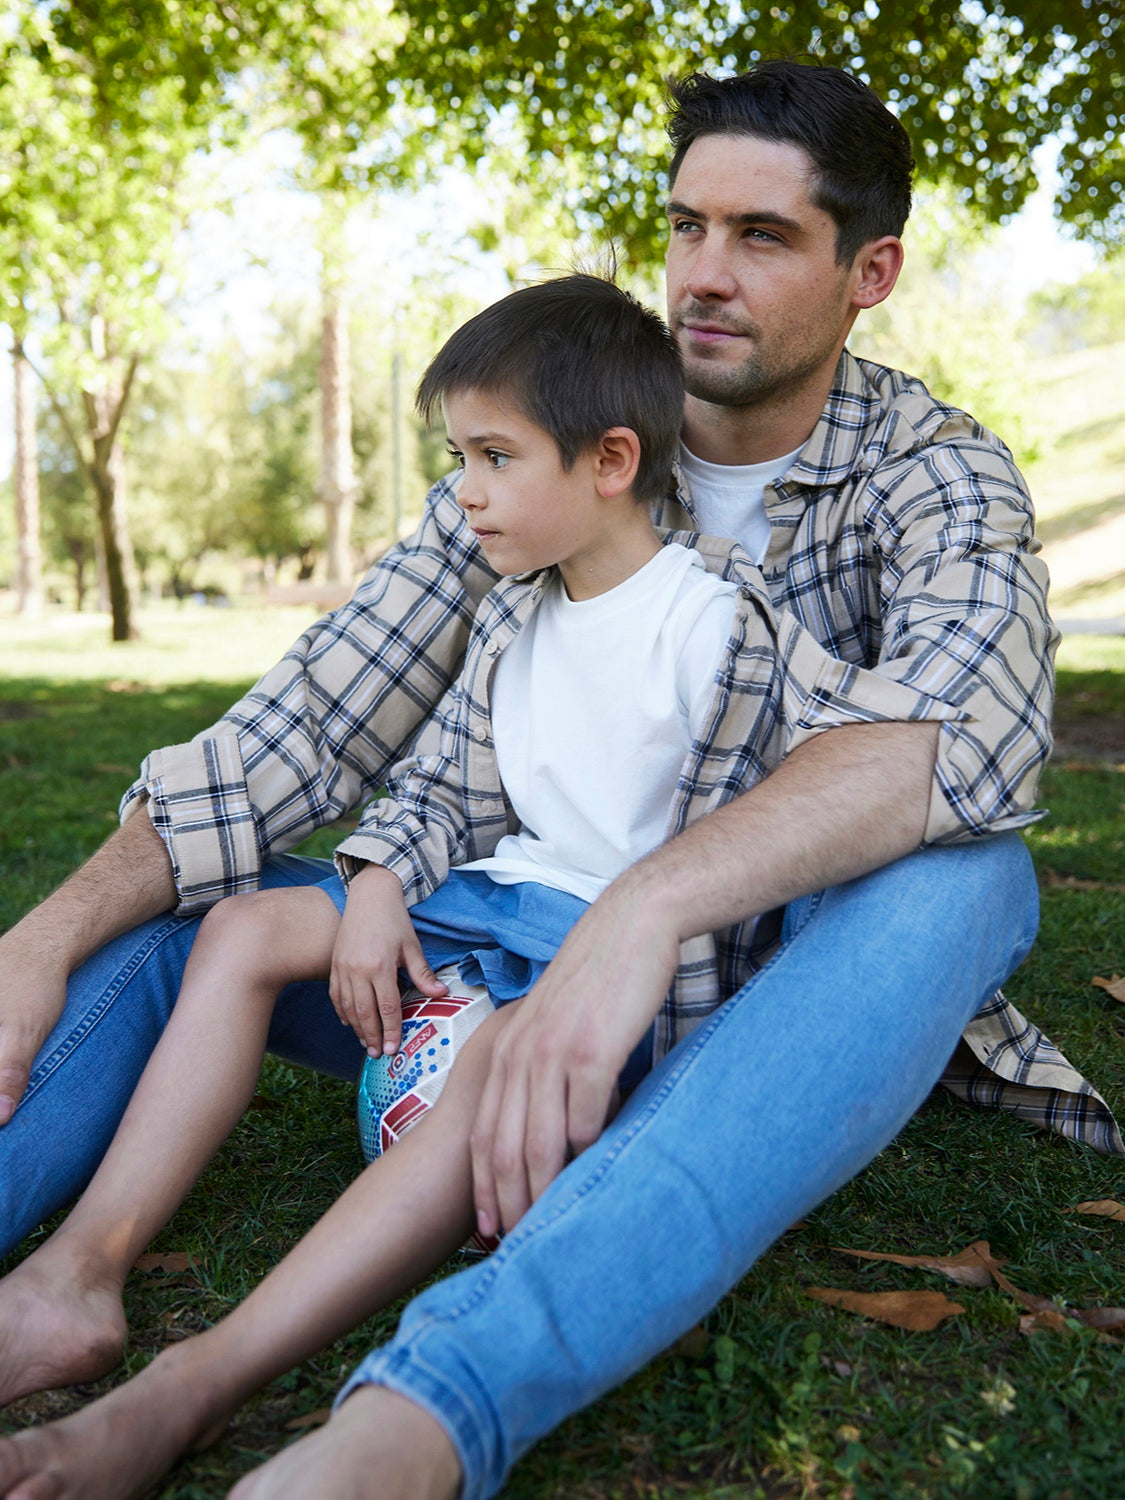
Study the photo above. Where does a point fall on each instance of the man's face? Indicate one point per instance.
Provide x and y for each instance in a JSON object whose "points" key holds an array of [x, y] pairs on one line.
{"points": [[756, 300]]}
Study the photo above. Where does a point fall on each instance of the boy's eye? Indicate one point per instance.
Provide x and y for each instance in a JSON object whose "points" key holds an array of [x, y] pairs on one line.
{"points": [[496, 459], [456, 455]]}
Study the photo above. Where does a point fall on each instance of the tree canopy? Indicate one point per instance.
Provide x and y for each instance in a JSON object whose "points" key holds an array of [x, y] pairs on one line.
{"points": [[106, 107]]}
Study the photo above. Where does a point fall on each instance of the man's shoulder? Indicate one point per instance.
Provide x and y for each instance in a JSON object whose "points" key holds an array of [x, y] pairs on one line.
{"points": [[898, 412]]}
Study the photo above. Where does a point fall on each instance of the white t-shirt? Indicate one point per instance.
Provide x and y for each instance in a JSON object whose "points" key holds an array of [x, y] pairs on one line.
{"points": [[729, 498], [595, 705]]}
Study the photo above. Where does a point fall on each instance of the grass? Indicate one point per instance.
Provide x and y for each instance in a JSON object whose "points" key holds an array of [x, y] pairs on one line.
{"points": [[776, 1396]]}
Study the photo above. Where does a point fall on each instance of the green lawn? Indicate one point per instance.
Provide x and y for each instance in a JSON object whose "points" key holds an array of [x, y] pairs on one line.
{"points": [[778, 1395]]}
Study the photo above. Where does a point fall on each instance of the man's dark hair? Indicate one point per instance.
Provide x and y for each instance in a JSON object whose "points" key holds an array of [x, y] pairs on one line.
{"points": [[861, 155], [577, 356]]}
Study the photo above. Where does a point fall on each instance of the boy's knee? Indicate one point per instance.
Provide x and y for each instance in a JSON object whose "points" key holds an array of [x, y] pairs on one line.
{"points": [[250, 919]]}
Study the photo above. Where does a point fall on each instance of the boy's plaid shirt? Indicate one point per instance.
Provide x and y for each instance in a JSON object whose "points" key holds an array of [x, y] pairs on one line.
{"points": [[900, 583]]}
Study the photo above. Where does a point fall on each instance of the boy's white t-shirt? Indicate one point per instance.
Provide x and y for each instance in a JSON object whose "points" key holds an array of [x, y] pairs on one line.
{"points": [[729, 499], [595, 705]]}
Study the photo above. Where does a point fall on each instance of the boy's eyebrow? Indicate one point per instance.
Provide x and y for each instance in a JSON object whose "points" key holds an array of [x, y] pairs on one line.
{"points": [[483, 439], [735, 221]]}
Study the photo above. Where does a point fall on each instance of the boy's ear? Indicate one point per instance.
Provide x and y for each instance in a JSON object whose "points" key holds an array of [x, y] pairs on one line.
{"points": [[617, 456]]}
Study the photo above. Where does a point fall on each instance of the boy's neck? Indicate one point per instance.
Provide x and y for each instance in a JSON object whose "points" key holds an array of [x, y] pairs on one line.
{"points": [[628, 542]]}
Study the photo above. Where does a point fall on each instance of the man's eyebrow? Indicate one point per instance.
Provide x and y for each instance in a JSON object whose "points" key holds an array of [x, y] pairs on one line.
{"points": [[736, 221]]}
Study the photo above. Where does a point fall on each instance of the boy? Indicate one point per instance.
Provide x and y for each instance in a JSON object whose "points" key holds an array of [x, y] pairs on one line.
{"points": [[551, 768]]}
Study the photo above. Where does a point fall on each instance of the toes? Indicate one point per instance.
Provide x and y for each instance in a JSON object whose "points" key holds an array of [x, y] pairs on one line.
{"points": [[18, 1479]]}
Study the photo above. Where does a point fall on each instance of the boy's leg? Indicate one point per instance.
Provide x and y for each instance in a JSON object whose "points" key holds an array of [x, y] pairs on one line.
{"points": [[118, 1003], [779, 1098], [396, 1223], [61, 1318]]}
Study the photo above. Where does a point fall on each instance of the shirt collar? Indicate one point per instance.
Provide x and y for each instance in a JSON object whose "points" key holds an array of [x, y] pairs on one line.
{"points": [[829, 456]]}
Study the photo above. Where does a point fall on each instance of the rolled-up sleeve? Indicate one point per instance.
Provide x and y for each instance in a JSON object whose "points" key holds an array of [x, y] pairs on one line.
{"points": [[965, 621], [318, 734]]}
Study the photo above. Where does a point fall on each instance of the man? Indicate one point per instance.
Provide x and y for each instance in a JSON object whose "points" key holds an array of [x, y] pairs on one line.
{"points": [[899, 533]]}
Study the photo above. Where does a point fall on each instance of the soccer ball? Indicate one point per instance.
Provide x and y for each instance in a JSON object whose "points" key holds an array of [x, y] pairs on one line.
{"points": [[395, 1092]]}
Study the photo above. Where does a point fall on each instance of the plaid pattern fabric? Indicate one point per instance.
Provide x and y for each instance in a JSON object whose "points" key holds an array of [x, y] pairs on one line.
{"points": [[901, 582]]}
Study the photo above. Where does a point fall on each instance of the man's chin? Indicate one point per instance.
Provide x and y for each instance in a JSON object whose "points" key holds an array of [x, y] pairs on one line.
{"points": [[717, 387]]}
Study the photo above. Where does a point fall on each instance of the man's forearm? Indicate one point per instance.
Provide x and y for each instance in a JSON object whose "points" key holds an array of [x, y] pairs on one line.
{"points": [[127, 880], [847, 802]]}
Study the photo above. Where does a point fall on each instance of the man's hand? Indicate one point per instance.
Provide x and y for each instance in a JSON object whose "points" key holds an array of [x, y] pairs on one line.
{"points": [[847, 802], [32, 995], [128, 880], [554, 1069], [376, 939]]}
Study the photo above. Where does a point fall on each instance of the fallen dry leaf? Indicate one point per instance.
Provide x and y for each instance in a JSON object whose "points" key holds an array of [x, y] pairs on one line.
{"points": [[1108, 1208], [1114, 987], [310, 1419], [918, 1312], [1046, 1317], [1054, 880], [177, 1260], [969, 1267], [692, 1344], [1101, 1317]]}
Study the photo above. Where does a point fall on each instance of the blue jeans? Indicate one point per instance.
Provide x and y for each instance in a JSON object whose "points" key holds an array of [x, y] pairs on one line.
{"points": [[118, 1003], [779, 1098]]}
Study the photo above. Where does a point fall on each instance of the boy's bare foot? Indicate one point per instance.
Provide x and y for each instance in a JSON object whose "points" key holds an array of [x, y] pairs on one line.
{"points": [[118, 1446], [56, 1327], [377, 1441]]}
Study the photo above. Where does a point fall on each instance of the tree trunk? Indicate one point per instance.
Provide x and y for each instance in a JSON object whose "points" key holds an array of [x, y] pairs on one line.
{"points": [[338, 487], [29, 570], [103, 415]]}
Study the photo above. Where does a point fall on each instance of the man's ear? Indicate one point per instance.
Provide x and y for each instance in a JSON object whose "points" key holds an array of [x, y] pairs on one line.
{"points": [[875, 271], [617, 456]]}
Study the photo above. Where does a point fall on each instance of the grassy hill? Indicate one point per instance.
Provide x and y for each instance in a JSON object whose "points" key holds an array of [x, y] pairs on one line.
{"points": [[1076, 417]]}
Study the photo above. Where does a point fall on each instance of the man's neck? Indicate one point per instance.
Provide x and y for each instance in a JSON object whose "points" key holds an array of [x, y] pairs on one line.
{"points": [[756, 433]]}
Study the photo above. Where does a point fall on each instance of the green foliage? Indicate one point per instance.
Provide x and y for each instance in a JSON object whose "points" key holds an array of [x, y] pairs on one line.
{"points": [[1077, 314], [950, 327]]}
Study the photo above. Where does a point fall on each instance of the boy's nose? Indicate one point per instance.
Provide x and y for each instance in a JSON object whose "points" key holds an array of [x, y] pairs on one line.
{"points": [[467, 496]]}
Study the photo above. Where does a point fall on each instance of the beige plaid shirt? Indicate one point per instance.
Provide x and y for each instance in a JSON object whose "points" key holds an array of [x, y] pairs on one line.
{"points": [[901, 582]]}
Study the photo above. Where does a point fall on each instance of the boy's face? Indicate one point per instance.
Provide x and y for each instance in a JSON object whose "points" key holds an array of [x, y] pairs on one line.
{"points": [[528, 511]]}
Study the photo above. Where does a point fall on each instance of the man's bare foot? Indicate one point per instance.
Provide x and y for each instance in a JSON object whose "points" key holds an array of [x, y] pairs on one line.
{"points": [[118, 1447], [57, 1326], [378, 1440]]}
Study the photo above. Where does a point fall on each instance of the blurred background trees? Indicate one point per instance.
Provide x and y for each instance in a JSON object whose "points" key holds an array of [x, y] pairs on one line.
{"points": [[232, 233]]}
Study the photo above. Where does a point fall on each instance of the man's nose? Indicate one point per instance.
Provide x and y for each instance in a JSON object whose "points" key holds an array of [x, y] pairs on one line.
{"points": [[710, 273]]}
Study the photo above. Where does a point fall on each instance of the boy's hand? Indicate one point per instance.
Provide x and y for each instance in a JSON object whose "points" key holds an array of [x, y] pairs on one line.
{"points": [[376, 939]]}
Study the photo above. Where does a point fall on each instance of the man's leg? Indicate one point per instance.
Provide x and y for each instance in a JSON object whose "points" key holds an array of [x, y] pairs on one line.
{"points": [[118, 1003], [778, 1099]]}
